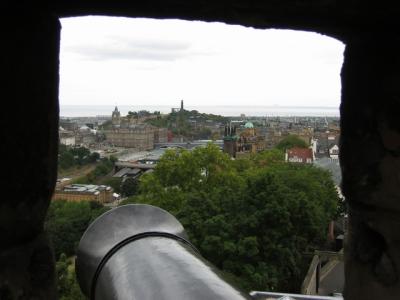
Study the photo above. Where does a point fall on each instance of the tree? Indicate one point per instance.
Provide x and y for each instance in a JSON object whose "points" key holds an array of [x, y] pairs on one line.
{"points": [[62, 275], [93, 157], [291, 141], [67, 286], [113, 159], [67, 221], [129, 187], [132, 114], [114, 182], [253, 220], [269, 157], [66, 160], [72, 156], [144, 113]]}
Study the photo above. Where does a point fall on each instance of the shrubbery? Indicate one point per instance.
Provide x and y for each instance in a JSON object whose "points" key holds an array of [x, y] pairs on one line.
{"points": [[75, 156], [104, 167], [66, 222], [254, 219]]}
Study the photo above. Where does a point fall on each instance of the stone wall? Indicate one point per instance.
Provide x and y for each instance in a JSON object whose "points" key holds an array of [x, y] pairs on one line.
{"points": [[370, 140], [370, 149], [30, 62]]}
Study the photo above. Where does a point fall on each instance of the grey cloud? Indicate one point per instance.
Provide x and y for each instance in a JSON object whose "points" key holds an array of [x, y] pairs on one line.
{"points": [[120, 48]]}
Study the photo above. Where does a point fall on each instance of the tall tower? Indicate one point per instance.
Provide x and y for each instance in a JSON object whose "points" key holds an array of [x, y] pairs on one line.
{"points": [[180, 120], [116, 117], [230, 140]]}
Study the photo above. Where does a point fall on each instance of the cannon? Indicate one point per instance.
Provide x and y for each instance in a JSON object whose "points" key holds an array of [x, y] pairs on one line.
{"points": [[141, 252]]}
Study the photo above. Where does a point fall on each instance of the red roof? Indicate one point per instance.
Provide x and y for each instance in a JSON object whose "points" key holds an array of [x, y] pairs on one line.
{"points": [[299, 155]]}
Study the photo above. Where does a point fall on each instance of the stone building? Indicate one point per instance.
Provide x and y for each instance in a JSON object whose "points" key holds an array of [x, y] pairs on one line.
{"points": [[160, 135], [136, 136], [273, 137], [116, 117], [131, 132], [84, 192], [85, 136], [67, 137], [230, 140], [241, 142], [68, 125], [250, 141], [325, 141]]}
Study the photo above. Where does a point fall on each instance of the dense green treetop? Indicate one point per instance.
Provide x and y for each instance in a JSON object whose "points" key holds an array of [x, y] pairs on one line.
{"points": [[253, 218], [188, 123], [291, 141], [129, 187], [67, 286], [67, 221], [184, 117], [114, 182], [75, 156]]}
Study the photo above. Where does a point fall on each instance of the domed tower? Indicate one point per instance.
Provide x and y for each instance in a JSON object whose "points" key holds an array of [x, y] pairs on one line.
{"points": [[116, 117], [249, 128]]}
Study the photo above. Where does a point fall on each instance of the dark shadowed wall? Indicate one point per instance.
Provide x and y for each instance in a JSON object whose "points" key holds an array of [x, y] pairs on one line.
{"points": [[370, 142]]}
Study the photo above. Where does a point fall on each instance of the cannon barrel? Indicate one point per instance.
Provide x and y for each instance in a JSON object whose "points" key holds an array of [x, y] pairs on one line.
{"points": [[142, 252]]}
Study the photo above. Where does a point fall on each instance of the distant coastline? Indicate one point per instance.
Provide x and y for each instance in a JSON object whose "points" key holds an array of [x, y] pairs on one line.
{"points": [[224, 110]]}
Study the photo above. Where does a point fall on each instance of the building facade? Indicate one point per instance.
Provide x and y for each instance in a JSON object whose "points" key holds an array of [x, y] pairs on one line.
{"points": [[66, 137], [137, 136], [131, 132], [84, 192], [242, 142], [299, 155]]}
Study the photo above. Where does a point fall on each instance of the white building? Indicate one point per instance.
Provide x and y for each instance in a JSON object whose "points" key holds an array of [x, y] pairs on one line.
{"points": [[66, 137], [334, 152]]}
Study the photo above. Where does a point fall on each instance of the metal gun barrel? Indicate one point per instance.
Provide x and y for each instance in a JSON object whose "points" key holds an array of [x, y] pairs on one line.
{"points": [[142, 252]]}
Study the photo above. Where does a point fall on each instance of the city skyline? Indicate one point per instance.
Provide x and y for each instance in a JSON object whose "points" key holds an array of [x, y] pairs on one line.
{"points": [[120, 61]]}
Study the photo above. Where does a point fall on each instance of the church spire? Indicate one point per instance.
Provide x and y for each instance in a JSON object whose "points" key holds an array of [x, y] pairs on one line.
{"points": [[116, 117], [181, 105]]}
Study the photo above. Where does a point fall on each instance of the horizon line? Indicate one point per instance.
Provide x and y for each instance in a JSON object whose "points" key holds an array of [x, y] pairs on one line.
{"points": [[221, 105]]}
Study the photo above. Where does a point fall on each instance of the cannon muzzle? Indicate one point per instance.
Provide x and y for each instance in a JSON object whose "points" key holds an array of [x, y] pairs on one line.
{"points": [[141, 252]]}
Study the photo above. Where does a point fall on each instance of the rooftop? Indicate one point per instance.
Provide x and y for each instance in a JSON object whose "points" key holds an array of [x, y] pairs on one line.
{"points": [[86, 188], [302, 153]]}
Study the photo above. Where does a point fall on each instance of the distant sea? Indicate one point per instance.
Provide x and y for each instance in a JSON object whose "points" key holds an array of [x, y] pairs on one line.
{"points": [[259, 111]]}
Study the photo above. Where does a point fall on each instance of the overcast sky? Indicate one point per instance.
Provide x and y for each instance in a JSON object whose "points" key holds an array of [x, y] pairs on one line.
{"points": [[108, 61]]}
